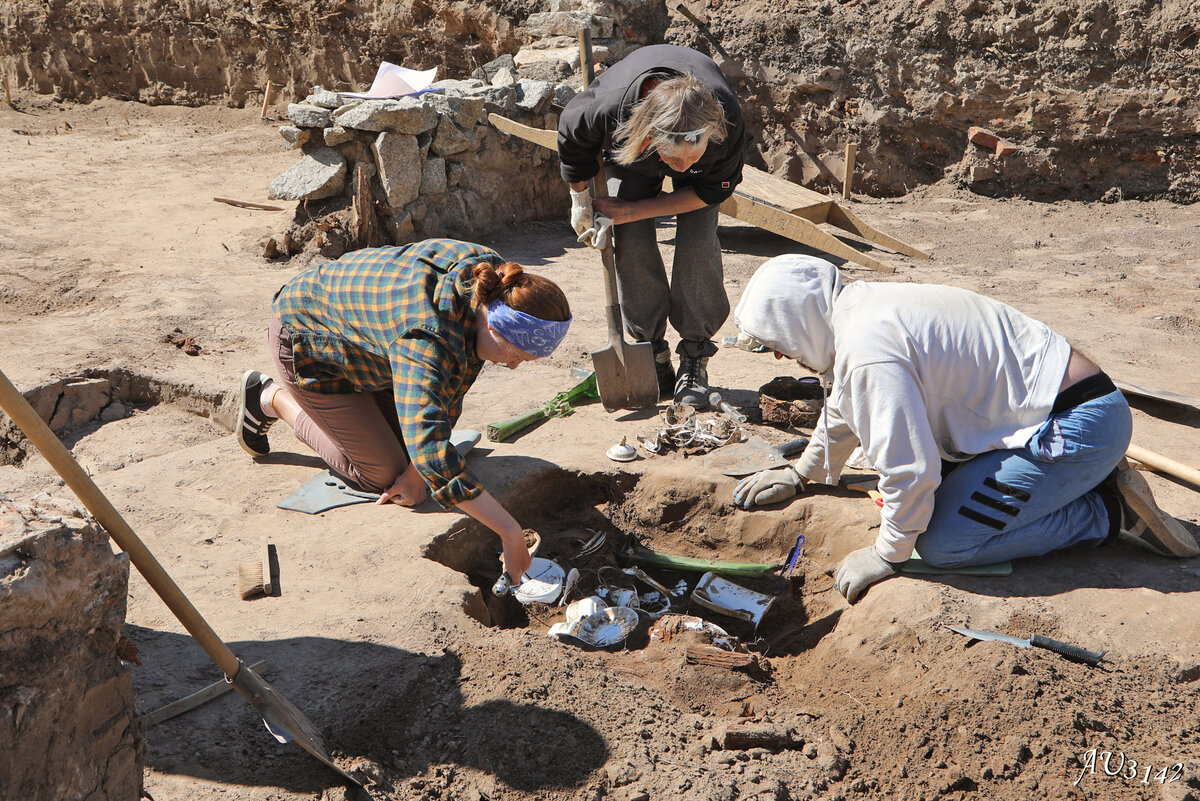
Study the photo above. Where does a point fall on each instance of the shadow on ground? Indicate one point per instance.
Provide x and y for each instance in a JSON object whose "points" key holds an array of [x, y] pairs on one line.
{"points": [[401, 711]]}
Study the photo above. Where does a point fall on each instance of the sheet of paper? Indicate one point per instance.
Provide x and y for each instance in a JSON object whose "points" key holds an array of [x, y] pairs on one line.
{"points": [[393, 80]]}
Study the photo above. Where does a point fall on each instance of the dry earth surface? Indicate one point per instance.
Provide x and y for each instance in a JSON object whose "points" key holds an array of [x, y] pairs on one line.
{"points": [[109, 240]]}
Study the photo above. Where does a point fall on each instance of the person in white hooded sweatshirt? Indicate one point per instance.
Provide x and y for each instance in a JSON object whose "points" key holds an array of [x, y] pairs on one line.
{"points": [[993, 438]]}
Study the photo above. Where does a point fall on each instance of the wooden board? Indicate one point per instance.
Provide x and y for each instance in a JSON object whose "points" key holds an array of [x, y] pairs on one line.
{"points": [[1163, 395]]}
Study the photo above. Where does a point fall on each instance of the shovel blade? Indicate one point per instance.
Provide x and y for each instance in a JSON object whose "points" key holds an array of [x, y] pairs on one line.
{"points": [[625, 375], [285, 722]]}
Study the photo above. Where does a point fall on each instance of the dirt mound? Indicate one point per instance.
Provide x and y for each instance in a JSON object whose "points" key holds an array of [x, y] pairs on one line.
{"points": [[1092, 95]]}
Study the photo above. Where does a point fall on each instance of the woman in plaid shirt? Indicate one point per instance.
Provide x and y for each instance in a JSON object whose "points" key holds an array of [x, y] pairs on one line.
{"points": [[375, 352]]}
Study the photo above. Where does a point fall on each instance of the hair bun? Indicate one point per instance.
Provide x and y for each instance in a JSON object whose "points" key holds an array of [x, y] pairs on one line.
{"points": [[511, 274]]}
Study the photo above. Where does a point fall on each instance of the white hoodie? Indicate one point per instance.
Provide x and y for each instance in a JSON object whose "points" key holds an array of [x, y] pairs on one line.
{"points": [[919, 373]]}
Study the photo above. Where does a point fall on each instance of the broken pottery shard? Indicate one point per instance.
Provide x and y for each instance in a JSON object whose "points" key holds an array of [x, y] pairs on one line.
{"points": [[321, 173], [406, 115], [307, 116], [398, 157]]}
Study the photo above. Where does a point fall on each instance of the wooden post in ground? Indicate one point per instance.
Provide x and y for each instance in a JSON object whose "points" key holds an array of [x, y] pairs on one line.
{"points": [[266, 100], [848, 174], [7, 91]]}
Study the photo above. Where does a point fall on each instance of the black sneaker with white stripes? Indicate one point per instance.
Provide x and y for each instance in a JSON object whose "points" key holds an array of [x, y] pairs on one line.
{"points": [[253, 422]]}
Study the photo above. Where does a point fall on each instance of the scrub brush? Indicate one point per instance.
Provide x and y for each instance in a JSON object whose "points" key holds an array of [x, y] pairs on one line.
{"points": [[254, 578]]}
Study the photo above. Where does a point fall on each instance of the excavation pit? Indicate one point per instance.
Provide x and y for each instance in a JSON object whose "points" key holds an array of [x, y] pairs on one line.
{"points": [[641, 542]]}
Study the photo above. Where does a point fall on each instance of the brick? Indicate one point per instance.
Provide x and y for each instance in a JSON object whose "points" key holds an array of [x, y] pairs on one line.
{"points": [[1004, 148], [982, 137], [982, 173]]}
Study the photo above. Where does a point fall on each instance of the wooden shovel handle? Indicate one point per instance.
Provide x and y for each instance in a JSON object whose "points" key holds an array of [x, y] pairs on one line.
{"points": [[28, 420], [599, 188], [1164, 464]]}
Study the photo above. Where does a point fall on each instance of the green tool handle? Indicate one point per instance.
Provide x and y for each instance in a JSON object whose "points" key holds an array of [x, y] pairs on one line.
{"points": [[14, 403], [1074, 653]]}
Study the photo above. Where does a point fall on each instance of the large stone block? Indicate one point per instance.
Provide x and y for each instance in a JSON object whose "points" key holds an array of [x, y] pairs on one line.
{"points": [[68, 727], [398, 157], [465, 111], [448, 139], [534, 96], [433, 178], [306, 116], [567, 23], [321, 173], [406, 115]]}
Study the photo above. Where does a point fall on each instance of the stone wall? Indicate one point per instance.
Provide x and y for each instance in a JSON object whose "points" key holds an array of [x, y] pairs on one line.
{"points": [[376, 172], [67, 724]]}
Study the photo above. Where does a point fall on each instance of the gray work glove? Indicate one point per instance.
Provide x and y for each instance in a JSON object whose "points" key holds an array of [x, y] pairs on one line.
{"points": [[767, 487], [859, 570], [582, 216]]}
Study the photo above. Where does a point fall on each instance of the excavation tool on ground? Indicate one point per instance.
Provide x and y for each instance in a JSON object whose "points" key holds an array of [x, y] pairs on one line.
{"points": [[625, 373], [1072, 652], [283, 720]]}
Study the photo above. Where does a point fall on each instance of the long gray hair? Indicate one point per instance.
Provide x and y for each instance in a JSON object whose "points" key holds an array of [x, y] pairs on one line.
{"points": [[677, 112]]}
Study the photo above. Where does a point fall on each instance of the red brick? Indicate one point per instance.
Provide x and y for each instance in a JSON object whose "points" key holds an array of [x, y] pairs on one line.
{"points": [[1004, 148], [982, 137]]}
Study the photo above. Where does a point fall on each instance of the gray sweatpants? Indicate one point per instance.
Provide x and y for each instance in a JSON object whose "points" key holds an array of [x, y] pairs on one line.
{"points": [[694, 299]]}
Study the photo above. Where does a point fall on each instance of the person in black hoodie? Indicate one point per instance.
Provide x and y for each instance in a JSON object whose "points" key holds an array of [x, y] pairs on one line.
{"points": [[661, 111]]}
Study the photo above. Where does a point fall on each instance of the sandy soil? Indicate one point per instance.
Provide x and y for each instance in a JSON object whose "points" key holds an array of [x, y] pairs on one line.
{"points": [[110, 240]]}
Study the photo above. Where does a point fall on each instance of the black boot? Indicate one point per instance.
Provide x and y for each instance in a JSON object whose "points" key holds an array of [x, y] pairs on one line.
{"points": [[664, 370], [691, 380]]}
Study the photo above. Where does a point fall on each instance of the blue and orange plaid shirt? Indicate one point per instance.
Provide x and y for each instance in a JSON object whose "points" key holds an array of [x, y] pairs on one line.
{"points": [[395, 318]]}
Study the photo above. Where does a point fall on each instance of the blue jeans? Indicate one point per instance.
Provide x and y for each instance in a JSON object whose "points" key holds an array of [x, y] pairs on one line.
{"points": [[1031, 500]]}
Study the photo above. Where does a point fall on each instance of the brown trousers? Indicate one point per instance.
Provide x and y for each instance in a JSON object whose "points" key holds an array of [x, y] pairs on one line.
{"points": [[357, 434]]}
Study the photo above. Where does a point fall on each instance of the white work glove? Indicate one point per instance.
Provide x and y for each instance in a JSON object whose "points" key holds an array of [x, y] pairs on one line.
{"points": [[859, 570], [600, 236], [767, 487], [581, 213]]}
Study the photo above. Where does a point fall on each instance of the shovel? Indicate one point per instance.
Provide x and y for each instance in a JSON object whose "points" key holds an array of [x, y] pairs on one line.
{"points": [[283, 719], [625, 373]]}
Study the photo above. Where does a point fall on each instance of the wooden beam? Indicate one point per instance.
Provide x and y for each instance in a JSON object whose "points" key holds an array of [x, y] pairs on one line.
{"points": [[246, 204], [266, 100], [847, 220], [539, 136], [797, 229], [848, 170]]}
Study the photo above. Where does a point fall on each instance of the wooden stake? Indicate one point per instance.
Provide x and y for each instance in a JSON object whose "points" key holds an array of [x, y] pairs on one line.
{"points": [[7, 92], [246, 204], [848, 174], [266, 100]]}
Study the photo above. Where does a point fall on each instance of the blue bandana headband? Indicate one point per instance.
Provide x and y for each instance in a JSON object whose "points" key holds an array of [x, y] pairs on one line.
{"points": [[535, 336]]}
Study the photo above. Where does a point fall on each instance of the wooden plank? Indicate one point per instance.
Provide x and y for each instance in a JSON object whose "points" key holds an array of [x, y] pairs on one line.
{"points": [[190, 702], [1159, 395], [539, 136], [848, 169], [798, 229], [766, 188], [848, 221]]}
